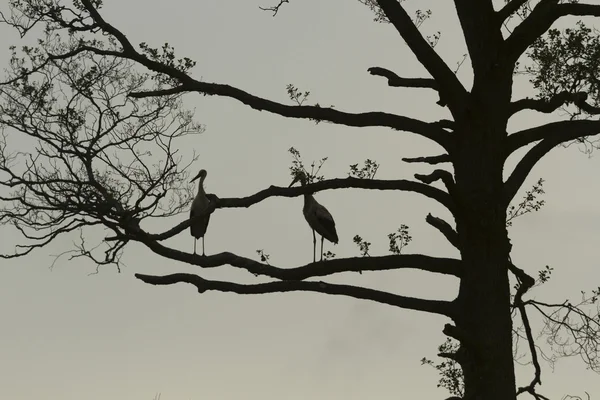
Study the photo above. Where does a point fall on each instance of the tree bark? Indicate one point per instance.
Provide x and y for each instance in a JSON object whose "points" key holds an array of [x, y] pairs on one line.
{"points": [[483, 323]]}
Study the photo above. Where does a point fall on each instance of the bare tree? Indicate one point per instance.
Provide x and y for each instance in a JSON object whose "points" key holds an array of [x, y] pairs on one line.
{"points": [[88, 155], [70, 180]]}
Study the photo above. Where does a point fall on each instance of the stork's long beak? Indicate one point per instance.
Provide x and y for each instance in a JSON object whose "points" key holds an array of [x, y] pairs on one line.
{"points": [[196, 177]]}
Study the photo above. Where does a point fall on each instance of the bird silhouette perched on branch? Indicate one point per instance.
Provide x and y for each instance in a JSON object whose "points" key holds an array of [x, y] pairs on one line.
{"points": [[200, 203], [318, 218]]}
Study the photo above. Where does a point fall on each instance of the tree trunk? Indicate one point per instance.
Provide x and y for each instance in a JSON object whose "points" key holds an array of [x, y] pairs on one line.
{"points": [[484, 324]]}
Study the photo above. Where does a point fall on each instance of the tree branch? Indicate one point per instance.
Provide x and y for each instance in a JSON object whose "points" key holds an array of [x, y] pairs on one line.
{"points": [[449, 86], [562, 131], [539, 21], [203, 285], [442, 158], [526, 282], [274, 9], [509, 9], [552, 135], [316, 113], [446, 266], [396, 81], [571, 329], [438, 174], [445, 228], [554, 103], [339, 183], [578, 9]]}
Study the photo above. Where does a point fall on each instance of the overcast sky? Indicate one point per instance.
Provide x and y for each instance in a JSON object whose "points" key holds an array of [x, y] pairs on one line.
{"points": [[68, 335]]}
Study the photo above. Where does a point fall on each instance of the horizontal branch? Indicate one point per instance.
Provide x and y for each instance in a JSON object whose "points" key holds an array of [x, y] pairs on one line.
{"points": [[442, 158], [446, 266], [396, 81], [554, 103], [203, 285], [338, 183], [318, 113], [558, 132], [578, 10]]}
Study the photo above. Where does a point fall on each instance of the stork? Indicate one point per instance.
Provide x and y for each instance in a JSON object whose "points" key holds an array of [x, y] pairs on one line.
{"points": [[200, 203], [318, 218]]}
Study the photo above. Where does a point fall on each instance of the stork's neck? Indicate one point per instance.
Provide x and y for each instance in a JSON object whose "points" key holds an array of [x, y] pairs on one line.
{"points": [[308, 200], [307, 197], [201, 191]]}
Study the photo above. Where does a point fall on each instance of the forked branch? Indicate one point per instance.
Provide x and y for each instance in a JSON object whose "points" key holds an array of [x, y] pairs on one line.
{"points": [[540, 20], [203, 285], [450, 88], [551, 135]]}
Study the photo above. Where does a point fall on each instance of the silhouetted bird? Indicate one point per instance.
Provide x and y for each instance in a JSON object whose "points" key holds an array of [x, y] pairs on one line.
{"points": [[318, 218], [200, 203]]}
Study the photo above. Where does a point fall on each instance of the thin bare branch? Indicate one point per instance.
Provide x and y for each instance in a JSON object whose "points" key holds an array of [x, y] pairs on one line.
{"points": [[274, 9]]}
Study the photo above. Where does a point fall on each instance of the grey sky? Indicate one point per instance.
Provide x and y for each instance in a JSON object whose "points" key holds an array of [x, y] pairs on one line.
{"points": [[67, 335]]}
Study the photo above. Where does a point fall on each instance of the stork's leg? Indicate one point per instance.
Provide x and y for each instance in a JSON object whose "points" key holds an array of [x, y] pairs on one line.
{"points": [[314, 247], [194, 245], [322, 239], [203, 246]]}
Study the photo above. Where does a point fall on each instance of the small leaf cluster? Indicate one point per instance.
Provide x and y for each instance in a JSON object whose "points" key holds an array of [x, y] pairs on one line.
{"points": [[296, 95], [544, 274], [363, 245], [298, 167], [264, 257], [451, 375], [399, 239], [368, 171], [529, 203], [166, 55]]}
